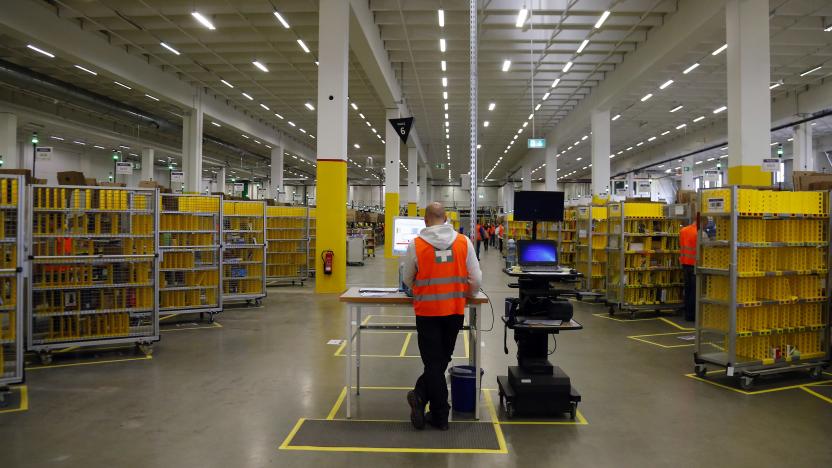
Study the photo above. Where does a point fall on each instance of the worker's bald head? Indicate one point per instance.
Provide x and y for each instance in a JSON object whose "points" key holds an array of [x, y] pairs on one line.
{"points": [[434, 214]]}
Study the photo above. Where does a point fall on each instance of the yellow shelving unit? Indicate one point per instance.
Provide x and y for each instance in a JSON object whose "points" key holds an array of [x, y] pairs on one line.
{"points": [[310, 233], [567, 235], [287, 235], [190, 236], [643, 269], [762, 282], [93, 277], [244, 250], [591, 245], [11, 280]]}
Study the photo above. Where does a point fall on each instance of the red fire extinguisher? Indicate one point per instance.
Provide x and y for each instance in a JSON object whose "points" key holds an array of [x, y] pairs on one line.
{"points": [[327, 256]]}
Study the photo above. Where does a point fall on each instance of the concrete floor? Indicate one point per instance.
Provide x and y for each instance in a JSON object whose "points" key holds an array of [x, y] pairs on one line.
{"points": [[227, 397]]}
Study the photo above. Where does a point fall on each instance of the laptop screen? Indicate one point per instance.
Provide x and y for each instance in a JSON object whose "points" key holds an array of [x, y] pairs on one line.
{"points": [[537, 252]]}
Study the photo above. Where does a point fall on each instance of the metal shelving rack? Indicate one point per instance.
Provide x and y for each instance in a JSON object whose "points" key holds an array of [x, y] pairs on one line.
{"points": [[287, 248], [311, 227], [590, 250], [244, 251], [11, 279], [762, 281], [566, 237], [643, 270], [93, 267], [190, 235]]}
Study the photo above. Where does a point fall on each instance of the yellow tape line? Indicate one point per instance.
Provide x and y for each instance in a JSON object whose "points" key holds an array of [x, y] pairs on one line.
{"points": [[168, 317], [755, 392], [24, 400], [213, 325], [337, 405], [498, 431], [403, 352], [812, 392], [55, 366], [674, 324]]}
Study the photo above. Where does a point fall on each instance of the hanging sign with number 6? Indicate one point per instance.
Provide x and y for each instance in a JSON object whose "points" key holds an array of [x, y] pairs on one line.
{"points": [[402, 127]]}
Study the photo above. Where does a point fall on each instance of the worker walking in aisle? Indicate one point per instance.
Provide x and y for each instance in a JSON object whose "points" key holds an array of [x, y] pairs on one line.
{"points": [[479, 239], [500, 234], [491, 238], [441, 268], [484, 232], [687, 257]]}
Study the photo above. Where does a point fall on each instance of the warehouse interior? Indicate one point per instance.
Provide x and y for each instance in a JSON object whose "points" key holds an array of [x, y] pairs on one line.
{"points": [[207, 207]]}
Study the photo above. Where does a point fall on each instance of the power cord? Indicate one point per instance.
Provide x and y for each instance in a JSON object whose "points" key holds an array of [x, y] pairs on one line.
{"points": [[555, 340], [490, 305]]}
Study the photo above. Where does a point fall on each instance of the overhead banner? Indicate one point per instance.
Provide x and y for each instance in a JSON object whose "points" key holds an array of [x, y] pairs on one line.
{"points": [[402, 127]]}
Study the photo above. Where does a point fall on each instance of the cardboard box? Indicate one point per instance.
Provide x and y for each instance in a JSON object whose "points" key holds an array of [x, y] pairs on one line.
{"points": [[91, 182], [685, 196], [112, 184], [808, 180], [71, 178], [24, 172]]}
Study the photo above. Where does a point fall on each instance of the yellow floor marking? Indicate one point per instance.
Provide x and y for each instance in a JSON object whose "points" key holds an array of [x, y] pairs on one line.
{"points": [[814, 393], [55, 366], [168, 317], [674, 324], [213, 325], [366, 320], [24, 400], [337, 405], [641, 338], [404, 346], [340, 348], [66, 350], [498, 431], [754, 392], [606, 316], [285, 444]]}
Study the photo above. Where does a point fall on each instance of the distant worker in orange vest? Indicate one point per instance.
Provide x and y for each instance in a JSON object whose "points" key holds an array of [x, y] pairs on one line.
{"points": [[442, 269], [480, 236], [687, 257]]}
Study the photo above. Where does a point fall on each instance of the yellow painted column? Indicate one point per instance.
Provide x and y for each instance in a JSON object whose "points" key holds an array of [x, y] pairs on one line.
{"points": [[392, 161], [411, 209], [391, 210], [331, 229], [749, 175]]}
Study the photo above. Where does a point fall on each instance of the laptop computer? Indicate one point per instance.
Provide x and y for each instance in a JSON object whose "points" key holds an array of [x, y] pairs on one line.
{"points": [[537, 255]]}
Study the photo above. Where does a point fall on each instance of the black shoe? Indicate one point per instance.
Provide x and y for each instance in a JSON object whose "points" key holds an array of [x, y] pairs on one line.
{"points": [[417, 410], [441, 425]]}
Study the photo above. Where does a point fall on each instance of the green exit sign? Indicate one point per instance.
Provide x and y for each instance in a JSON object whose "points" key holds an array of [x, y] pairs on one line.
{"points": [[537, 142]]}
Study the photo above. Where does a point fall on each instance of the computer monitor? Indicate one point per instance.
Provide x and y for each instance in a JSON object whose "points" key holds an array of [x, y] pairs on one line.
{"points": [[537, 252], [538, 206], [405, 229]]}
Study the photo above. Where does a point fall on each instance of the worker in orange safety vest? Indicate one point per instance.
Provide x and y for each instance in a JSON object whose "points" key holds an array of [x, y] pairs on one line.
{"points": [[442, 269], [687, 257]]}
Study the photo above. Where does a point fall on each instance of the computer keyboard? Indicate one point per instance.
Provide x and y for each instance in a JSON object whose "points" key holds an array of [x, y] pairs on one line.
{"points": [[541, 268]]}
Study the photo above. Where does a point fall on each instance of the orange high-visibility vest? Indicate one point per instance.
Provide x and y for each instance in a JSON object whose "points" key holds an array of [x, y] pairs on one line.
{"points": [[479, 234], [441, 282], [687, 244]]}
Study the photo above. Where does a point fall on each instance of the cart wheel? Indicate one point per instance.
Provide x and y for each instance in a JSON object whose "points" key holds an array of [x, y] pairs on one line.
{"points": [[816, 373], [258, 302], [211, 318], [573, 412], [509, 409], [700, 371], [145, 348], [747, 382], [611, 310], [45, 357], [632, 315]]}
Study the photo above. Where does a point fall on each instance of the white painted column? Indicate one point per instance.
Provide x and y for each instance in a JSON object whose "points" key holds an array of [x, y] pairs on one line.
{"points": [[600, 124], [630, 179], [804, 155], [192, 146], [424, 188], [687, 173], [749, 99], [508, 197], [276, 173], [412, 175], [221, 180], [550, 171], [391, 179], [148, 158], [8, 141], [526, 177]]}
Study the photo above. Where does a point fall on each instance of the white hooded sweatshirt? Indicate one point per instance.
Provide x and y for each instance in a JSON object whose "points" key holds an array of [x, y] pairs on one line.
{"points": [[442, 236]]}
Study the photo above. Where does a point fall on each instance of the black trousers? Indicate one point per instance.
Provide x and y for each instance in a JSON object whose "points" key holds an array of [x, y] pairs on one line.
{"points": [[437, 337], [486, 244], [690, 292], [501, 244], [478, 248]]}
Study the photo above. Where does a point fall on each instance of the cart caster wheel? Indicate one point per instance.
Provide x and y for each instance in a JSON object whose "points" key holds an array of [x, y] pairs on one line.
{"points": [[210, 318], [632, 315], [258, 302], [700, 371], [816, 373], [746, 382], [510, 410], [611, 311], [145, 348], [573, 412], [45, 357]]}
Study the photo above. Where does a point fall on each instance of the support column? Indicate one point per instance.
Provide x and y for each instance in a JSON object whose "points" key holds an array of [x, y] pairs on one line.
{"points": [[526, 177], [687, 174], [192, 147], [8, 141], [600, 125], [221, 175], [148, 158], [276, 173], [550, 171], [412, 181], [391, 180], [802, 148], [333, 74], [424, 188], [508, 198], [749, 99]]}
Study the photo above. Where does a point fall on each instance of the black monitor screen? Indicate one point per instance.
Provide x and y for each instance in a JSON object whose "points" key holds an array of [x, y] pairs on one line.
{"points": [[538, 206]]}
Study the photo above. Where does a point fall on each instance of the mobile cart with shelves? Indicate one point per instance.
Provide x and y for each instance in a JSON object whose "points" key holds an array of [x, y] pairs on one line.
{"points": [[590, 250], [287, 233], [11, 280], [244, 251]]}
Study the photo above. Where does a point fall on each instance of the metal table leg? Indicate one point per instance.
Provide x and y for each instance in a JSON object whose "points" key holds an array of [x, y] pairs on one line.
{"points": [[349, 359], [358, 351], [475, 355]]}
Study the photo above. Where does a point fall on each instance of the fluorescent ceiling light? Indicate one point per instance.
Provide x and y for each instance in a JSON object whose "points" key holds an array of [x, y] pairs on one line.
{"points": [[278, 116], [264, 106], [361, 115], [86, 70], [41, 51], [491, 106], [122, 85], [152, 97], [447, 124], [216, 124], [698, 162], [441, 15], [646, 97], [525, 124], [651, 138], [639, 143], [531, 116], [555, 83], [545, 96], [666, 84], [677, 108], [444, 81], [245, 136], [445, 95], [203, 20], [292, 124], [601, 20], [227, 83], [719, 109], [521, 17], [679, 127], [804, 73], [56, 138], [446, 116], [442, 45], [567, 67], [79, 143], [690, 68], [537, 107], [773, 143], [717, 51], [303, 46], [486, 123], [444, 65], [169, 48], [309, 106], [583, 138], [260, 66], [582, 46], [352, 104], [248, 97], [281, 19], [775, 85], [506, 65], [446, 106], [616, 117], [828, 28], [701, 117], [302, 130], [98, 146]]}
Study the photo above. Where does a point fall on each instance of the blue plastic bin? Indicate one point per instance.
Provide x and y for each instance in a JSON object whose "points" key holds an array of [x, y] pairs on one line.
{"points": [[463, 388]]}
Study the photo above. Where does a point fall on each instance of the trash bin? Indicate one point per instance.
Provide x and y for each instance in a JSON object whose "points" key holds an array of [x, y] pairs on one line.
{"points": [[463, 388]]}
